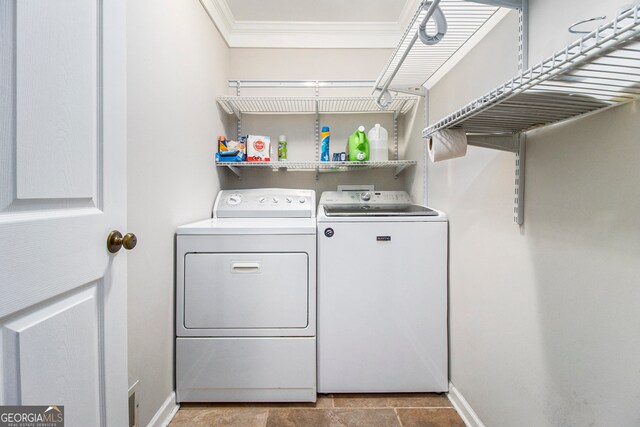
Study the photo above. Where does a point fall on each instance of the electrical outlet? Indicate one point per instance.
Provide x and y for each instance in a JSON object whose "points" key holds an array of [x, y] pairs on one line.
{"points": [[133, 405]]}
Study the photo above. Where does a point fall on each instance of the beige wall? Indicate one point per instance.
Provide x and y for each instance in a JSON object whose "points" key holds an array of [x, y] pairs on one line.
{"points": [[177, 65], [544, 318]]}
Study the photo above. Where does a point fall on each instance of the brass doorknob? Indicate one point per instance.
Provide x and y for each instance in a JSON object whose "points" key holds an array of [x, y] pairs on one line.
{"points": [[115, 241]]}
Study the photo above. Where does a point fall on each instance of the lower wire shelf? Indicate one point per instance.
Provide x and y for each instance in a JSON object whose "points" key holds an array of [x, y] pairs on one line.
{"points": [[317, 166]]}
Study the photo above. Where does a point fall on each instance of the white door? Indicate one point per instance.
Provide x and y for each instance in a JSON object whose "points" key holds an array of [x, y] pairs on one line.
{"points": [[62, 189]]}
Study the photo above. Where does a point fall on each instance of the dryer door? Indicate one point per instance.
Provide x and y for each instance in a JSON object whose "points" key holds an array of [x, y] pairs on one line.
{"points": [[246, 290]]}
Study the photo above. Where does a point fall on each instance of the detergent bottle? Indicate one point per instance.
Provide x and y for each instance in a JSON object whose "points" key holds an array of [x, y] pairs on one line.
{"points": [[358, 146], [325, 136], [378, 144]]}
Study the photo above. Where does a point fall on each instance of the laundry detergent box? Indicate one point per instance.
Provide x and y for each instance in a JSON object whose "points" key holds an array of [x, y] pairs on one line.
{"points": [[232, 151], [258, 148]]}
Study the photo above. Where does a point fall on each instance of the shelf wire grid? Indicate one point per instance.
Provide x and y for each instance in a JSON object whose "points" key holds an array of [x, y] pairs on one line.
{"points": [[317, 165], [463, 20], [599, 70], [311, 105]]}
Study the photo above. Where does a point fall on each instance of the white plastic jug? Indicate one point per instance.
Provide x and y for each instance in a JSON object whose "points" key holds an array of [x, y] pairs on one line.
{"points": [[378, 144]]}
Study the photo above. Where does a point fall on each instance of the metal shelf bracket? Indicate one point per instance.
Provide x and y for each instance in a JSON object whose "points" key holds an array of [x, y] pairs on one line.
{"points": [[399, 170], [236, 171], [509, 143], [513, 144]]}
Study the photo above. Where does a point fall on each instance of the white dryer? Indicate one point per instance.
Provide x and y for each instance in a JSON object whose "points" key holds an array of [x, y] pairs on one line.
{"points": [[246, 300], [382, 294]]}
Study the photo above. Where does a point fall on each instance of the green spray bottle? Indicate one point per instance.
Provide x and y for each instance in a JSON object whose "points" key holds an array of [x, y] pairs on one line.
{"points": [[358, 146]]}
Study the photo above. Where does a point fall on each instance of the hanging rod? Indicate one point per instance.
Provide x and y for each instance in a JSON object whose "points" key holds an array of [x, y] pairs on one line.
{"points": [[301, 83], [433, 6]]}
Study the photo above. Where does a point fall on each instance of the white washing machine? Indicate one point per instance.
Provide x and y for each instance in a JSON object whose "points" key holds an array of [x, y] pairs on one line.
{"points": [[246, 300], [382, 294]]}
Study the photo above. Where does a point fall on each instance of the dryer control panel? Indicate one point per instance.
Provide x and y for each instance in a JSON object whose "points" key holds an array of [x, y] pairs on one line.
{"points": [[265, 203]]}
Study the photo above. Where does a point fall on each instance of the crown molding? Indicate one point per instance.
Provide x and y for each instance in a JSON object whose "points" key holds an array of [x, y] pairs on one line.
{"points": [[220, 14], [287, 34]]}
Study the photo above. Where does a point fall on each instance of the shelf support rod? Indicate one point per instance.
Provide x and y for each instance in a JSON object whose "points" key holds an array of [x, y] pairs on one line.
{"points": [[239, 114], [395, 135], [523, 64], [523, 36], [518, 208], [317, 132], [425, 151]]}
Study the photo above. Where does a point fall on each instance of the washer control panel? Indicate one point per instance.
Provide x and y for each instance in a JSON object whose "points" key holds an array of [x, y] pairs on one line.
{"points": [[265, 203], [361, 197]]}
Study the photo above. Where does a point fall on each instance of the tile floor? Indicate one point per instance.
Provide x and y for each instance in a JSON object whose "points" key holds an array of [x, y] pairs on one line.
{"points": [[339, 410]]}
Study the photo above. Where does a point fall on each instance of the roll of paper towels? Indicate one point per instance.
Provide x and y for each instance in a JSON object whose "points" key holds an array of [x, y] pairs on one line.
{"points": [[447, 144]]}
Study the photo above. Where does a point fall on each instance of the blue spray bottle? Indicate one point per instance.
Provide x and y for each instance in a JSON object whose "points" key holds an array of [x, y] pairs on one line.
{"points": [[324, 147]]}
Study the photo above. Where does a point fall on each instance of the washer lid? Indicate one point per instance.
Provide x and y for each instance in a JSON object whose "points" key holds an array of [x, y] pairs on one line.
{"points": [[378, 210]]}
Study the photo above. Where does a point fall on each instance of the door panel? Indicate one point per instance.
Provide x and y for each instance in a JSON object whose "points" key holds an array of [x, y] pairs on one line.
{"points": [[62, 150], [68, 330], [57, 93]]}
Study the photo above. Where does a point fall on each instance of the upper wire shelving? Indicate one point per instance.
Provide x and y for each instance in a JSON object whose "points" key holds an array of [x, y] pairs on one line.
{"points": [[314, 105], [600, 70]]}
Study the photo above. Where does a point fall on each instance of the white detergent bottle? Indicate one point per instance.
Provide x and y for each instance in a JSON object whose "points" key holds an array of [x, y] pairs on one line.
{"points": [[378, 144]]}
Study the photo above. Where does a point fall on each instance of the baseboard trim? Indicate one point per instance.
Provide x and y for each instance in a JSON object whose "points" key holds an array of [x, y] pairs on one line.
{"points": [[165, 413], [465, 410]]}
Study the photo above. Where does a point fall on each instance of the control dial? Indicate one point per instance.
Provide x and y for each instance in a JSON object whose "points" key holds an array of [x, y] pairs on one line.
{"points": [[234, 199], [366, 197]]}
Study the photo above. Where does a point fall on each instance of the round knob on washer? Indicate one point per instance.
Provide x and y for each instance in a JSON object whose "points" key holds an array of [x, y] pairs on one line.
{"points": [[234, 199], [275, 200], [262, 199], [302, 200], [289, 199], [366, 196]]}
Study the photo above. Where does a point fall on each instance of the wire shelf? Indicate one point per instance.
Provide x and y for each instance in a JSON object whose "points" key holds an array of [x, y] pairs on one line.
{"points": [[310, 105], [600, 70], [318, 166], [463, 20]]}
